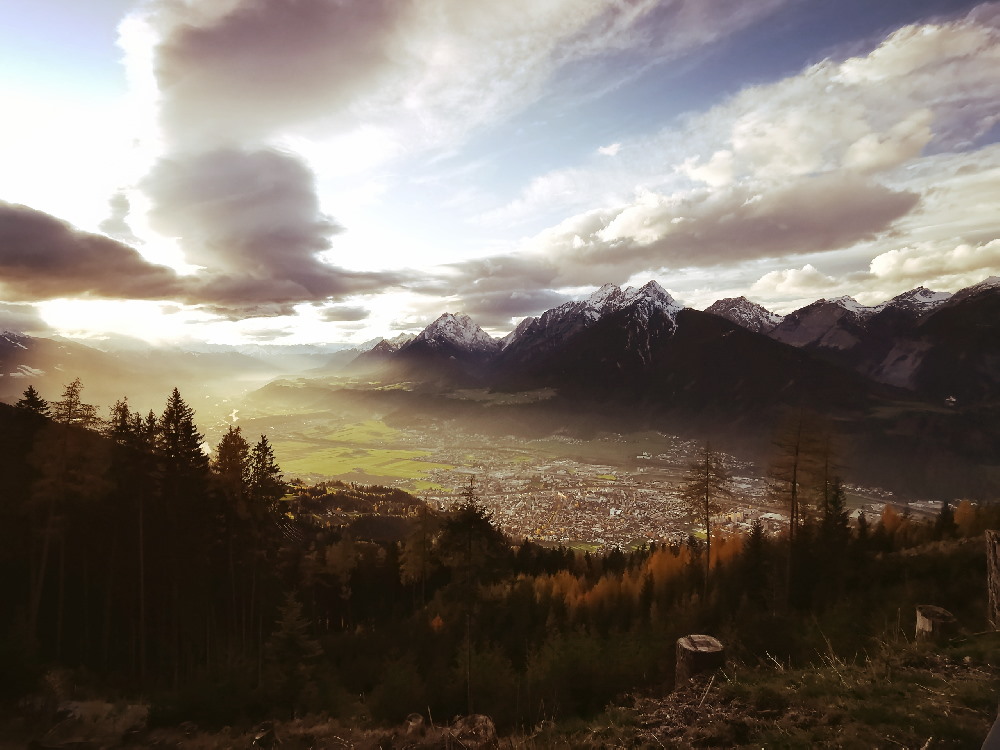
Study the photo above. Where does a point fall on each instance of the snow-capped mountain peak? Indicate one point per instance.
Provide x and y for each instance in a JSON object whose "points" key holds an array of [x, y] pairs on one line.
{"points": [[744, 313], [852, 305], [610, 298], [458, 330], [604, 295], [988, 284], [919, 300]]}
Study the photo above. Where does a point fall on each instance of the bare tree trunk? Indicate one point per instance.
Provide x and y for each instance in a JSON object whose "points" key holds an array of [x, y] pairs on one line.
{"points": [[142, 589], [993, 581], [39, 581], [61, 598]]}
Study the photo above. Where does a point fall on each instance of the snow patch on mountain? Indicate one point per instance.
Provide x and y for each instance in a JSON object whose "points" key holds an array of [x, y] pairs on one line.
{"points": [[15, 339]]}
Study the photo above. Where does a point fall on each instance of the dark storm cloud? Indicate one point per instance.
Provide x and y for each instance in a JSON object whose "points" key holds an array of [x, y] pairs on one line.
{"points": [[42, 257], [251, 218], [266, 64]]}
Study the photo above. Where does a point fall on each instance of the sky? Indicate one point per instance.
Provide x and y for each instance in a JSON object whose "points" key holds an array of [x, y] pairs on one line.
{"points": [[325, 171]]}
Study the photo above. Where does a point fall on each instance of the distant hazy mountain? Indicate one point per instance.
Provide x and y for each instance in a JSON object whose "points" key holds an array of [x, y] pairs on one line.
{"points": [[146, 375]]}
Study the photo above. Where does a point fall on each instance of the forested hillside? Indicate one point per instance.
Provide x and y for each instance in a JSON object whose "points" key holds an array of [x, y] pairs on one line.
{"points": [[137, 567]]}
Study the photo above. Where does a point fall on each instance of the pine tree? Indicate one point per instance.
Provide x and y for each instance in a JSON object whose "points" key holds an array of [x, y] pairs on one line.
{"points": [[180, 444], [707, 484], [755, 563], [834, 527], [291, 657], [231, 467], [33, 403], [265, 482], [944, 525]]}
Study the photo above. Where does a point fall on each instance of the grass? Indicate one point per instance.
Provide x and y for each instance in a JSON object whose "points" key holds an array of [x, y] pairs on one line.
{"points": [[348, 459], [356, 452], [903, 695]]}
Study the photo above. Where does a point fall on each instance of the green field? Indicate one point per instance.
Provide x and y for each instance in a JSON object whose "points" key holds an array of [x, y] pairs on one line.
{"points": [[361, 452]]}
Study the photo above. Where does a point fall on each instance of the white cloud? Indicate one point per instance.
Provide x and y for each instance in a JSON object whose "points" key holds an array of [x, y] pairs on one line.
{"points": [[805, 281], [610, 150], [930, 264]]}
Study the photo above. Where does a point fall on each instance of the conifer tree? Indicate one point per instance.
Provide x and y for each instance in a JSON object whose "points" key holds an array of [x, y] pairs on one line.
{"points": [[33, 403], [834, 530], [291, 657], [231, 466], [755, 562], [944, 525], [265, 483], [180, 444]]}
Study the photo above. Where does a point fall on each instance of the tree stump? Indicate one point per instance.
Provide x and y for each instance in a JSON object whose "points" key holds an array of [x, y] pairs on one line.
{"points": [[933, 623], [993, 577], [697, 653]]}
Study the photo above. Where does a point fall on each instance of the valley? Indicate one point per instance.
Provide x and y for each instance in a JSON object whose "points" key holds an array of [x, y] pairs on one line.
{"points": [[605, 490]]}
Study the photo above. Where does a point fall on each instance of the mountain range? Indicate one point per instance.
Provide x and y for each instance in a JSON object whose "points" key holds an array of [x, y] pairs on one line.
{"points": [[931, 344], [913, 384]]}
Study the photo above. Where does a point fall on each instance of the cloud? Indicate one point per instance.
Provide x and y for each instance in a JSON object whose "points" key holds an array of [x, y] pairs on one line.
{"points": [[22, 319], [234, 77], [610, 150], [265, 335], [805, 281], [116, 225], [930, 86], [251, 219], [498, 309], [239, 71], [930, 264], [713, 227], [343, 313], [242, 70], [42, 258], [805, 165]]}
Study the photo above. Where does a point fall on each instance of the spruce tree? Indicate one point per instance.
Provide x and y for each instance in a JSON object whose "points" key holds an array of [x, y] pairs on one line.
{"points": [[231, 467], [33, 403], [265, 483], [179, 447]]}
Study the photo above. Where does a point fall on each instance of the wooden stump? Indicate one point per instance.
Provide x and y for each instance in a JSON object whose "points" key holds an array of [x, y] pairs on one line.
{"points": [[933, 623], [993, 577], [697, 653]]}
